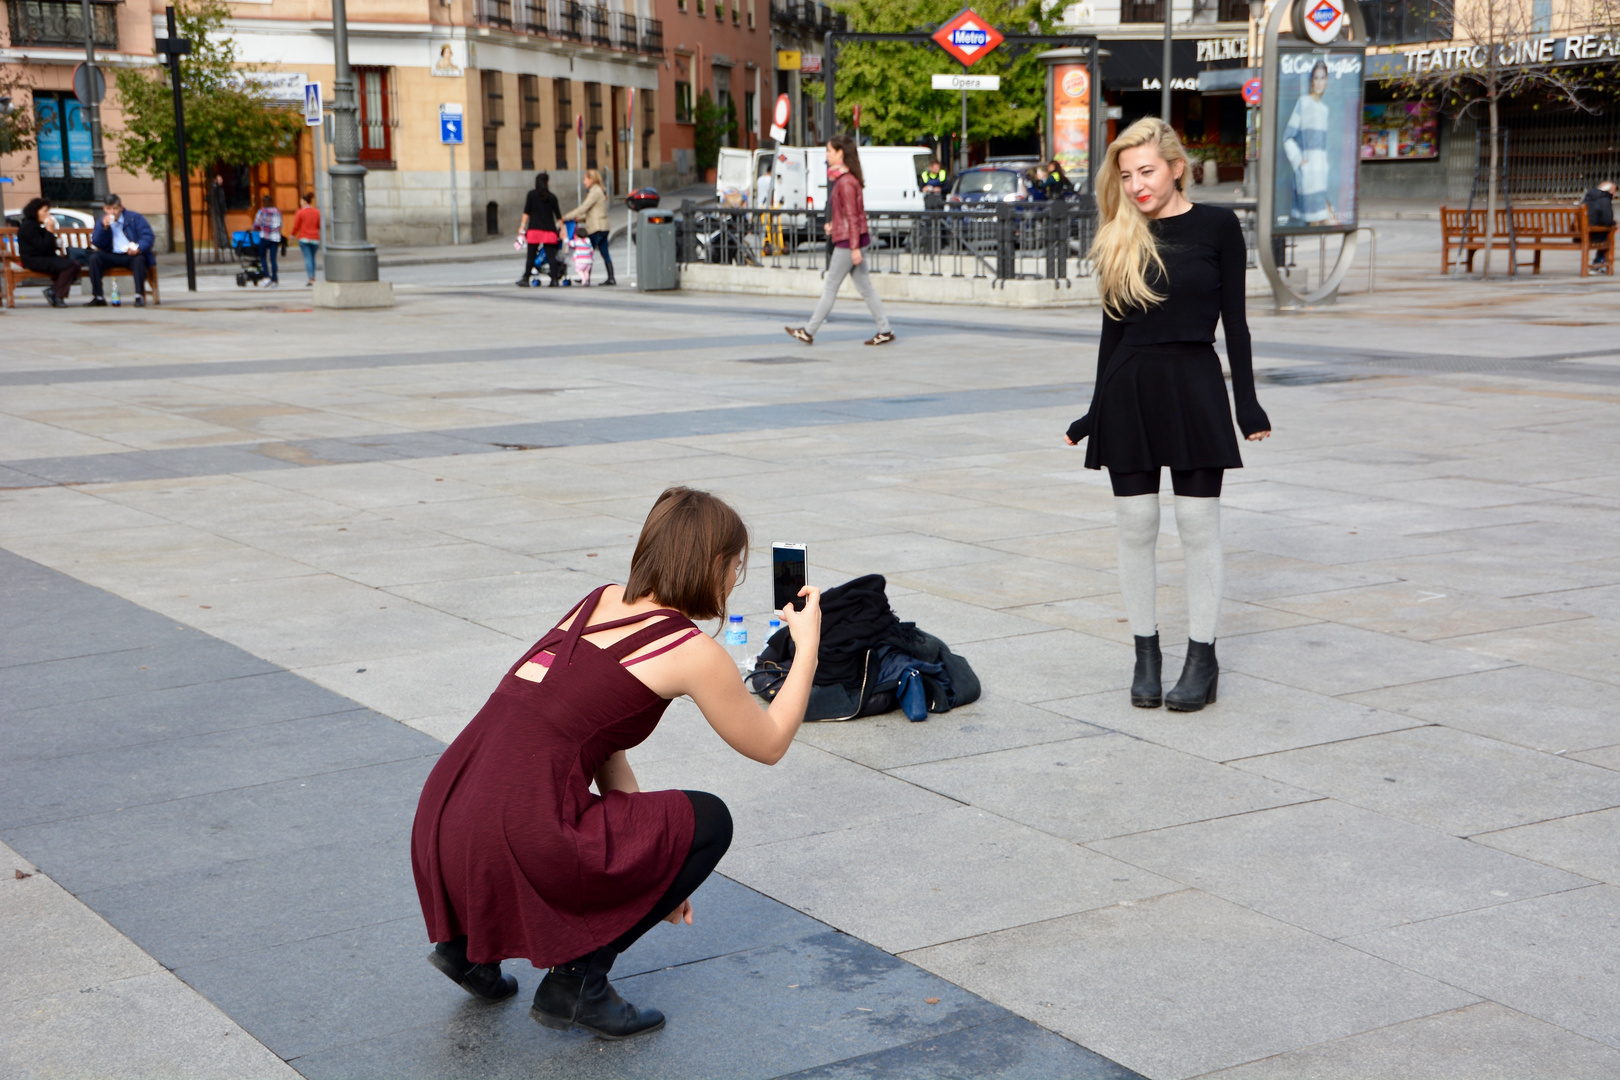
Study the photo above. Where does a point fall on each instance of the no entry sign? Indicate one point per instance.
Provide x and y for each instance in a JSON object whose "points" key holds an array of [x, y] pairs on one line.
{"points": [[968, 37]]}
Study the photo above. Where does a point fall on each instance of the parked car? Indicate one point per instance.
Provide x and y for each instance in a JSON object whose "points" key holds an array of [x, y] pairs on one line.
{"points": [[65, 219], [991, 182]]}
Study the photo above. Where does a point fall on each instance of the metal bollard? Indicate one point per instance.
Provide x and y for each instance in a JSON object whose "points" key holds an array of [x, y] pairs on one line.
{"points": [[1006, 242]]}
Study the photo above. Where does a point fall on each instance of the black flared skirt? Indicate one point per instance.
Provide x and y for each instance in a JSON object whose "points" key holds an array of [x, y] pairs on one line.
{"points": [[1163, 406]]}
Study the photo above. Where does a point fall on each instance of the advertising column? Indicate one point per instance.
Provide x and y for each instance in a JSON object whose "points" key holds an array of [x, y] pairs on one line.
{"points": [[1310, 138]]}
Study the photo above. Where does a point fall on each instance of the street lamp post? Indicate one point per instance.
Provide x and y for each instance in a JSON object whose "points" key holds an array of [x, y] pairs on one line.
{"points": [[349, 257], [1164, 88], [98, 156]]}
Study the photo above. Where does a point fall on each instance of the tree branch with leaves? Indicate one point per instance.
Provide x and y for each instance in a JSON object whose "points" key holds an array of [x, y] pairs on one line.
{"points": [[890, 81], [228, 117]]}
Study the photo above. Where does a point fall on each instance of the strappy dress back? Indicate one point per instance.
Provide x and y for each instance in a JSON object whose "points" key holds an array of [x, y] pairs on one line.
{"points": [[510, 845]]}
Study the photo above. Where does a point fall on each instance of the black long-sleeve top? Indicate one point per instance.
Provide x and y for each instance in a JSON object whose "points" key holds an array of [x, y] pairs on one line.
{"points": [[543, 210], [1206, 263], [35, 241]]}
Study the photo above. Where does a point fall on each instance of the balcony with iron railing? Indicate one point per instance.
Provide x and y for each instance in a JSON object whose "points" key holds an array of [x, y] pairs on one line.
{"points": [[601, 26], [496, 13], [530, 16], [567, 20], [52, 22], [652, 37]]}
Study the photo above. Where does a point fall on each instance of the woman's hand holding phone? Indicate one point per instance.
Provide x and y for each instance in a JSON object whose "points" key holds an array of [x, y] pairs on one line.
{"points": [[805, 626]]}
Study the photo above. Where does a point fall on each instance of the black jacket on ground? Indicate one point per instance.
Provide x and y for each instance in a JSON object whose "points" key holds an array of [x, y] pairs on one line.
{"points": [[857, 628]]}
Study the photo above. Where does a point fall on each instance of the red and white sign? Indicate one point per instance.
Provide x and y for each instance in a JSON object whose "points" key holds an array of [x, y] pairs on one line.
{"points": [[857, 117], [1251, 92], [779, 118], [809, 65], [968, 37], [1322, 19]]}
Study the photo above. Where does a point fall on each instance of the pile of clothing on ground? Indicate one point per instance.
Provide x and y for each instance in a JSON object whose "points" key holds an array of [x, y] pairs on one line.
{"points": [[870, 662]]}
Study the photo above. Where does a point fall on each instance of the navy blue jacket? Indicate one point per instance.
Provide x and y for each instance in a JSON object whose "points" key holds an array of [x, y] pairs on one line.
{"points": [[135, 228]]}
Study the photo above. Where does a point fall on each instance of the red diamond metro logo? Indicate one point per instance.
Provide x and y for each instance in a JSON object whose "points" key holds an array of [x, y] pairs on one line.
{"points": [[968, 37], [1324, 14]]}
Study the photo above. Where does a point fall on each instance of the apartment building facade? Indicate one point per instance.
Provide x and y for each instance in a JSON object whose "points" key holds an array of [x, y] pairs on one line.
{"points": [[43, 44], [718, 47]]}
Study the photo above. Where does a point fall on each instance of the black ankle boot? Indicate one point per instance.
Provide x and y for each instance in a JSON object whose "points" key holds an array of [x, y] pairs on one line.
{"points": [[578, 994], [1146, 690], [1196, 687], [479, 980]]}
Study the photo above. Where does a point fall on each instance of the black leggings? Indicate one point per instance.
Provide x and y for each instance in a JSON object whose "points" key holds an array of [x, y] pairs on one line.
{"points": [[1188, 483], [711, 836]]}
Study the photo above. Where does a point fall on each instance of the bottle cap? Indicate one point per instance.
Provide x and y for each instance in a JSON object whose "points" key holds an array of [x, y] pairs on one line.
{"points": [[736, 618]]}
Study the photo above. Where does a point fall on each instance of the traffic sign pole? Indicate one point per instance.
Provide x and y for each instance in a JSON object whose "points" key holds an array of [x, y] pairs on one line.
{"points": [[452, 134]]}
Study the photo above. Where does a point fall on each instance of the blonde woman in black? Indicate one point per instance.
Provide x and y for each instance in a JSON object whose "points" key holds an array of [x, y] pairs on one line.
{"points": [[1167, 269]]}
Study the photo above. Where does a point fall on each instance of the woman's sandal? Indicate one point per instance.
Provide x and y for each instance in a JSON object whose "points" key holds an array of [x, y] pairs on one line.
{"points": [[881, 339], [801, 334]]}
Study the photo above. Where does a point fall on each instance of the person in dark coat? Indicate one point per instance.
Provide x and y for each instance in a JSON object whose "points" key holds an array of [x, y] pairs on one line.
{"points": [[538, 229], [1168, 270], [121, 238], [516, 856], [1600, 213], [36, 245]]}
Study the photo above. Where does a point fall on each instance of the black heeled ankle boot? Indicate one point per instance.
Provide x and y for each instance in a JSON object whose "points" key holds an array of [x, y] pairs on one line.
{"points": [[1196, 687], [578, 994], [1147, 692], [479, 980]]}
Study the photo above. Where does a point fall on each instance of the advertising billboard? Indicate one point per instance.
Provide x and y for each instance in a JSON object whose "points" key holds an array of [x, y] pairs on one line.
{"points": [[1319, 140], [1400, 130], [52, 162], [1071, 121]]}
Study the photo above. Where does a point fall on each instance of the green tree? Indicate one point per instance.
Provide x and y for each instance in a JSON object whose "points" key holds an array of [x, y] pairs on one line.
{"points": [[17, 121], [228, 117], [715, 123], [890, 80]]}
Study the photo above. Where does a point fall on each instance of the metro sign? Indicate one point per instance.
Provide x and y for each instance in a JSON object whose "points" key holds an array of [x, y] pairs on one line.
{"points": [[968, 37], [1323, 19]]}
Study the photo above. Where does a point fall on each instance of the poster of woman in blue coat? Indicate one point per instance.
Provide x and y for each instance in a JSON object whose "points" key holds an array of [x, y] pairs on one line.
{"points": [[1320, 142]]}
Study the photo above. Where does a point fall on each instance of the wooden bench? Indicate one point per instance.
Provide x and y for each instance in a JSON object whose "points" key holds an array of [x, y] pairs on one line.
{"points": [[1534, 229], [16, 274]]}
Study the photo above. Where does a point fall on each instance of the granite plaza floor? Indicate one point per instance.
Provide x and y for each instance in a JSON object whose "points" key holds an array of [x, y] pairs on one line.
{"points": [[257, 563]]}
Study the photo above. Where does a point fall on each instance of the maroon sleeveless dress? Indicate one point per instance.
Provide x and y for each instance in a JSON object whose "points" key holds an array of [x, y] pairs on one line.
{"points": [[510, 846]]}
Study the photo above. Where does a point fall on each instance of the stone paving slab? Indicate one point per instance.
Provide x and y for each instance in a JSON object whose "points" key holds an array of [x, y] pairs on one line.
{"points": [[1184, 984], [1477, 1042], [1555, 957]]}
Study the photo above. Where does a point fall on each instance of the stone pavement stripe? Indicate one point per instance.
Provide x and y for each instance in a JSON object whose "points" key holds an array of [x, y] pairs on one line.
{"points": [[264, 858], [253, 457]]}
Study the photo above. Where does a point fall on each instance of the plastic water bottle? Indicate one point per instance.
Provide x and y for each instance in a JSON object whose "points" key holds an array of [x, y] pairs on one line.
{"points": [[737, 643], [776, 624], [115, 300]]}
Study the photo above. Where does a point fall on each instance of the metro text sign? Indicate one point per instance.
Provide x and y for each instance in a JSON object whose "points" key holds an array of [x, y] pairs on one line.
{"points": [[968, 37]]}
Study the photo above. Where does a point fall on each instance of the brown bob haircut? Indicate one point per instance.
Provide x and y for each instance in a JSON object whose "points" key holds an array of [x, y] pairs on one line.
{"points": [[684, 551]]}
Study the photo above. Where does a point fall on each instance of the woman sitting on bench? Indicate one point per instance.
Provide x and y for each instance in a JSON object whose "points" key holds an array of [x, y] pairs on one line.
{"points": [[36, 245]]}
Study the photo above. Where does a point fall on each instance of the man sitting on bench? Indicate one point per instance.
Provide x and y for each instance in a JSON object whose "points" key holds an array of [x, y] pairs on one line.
{"points": [[123, 239], [1600, 213]]}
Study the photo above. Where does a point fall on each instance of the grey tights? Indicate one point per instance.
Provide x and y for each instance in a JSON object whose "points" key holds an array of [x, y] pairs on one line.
{"points": [[1198, 520]]}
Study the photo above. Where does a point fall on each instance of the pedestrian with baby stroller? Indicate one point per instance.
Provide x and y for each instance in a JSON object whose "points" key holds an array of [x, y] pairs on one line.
{"points": [[268, 225], [593, 216], [538, 229]]}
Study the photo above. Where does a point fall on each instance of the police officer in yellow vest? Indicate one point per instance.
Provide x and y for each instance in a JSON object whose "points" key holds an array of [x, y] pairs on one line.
{"points": [[933, 182]]}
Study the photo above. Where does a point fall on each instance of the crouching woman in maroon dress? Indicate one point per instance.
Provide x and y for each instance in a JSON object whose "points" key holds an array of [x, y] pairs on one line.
{"points": [[516, 856]]}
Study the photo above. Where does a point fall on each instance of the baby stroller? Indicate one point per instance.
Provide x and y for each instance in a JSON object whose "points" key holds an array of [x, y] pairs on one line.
{"points": [[245, 246]]}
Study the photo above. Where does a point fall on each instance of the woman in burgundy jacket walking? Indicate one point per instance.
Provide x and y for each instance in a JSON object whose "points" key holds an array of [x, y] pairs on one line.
{"points": [[847, 230]]}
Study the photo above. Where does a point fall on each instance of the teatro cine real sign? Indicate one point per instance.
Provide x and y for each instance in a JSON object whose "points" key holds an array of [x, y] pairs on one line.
{"points": [[1548, 50]]}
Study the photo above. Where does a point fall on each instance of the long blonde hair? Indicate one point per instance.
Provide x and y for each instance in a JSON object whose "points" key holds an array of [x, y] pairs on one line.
{"points": [[1124, 247]]}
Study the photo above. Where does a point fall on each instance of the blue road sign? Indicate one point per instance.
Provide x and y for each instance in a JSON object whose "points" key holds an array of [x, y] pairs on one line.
{"points": [[450, 129]]}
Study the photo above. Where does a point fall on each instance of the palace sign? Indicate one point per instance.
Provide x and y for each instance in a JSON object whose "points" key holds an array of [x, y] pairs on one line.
{"points": [[968, 37]]}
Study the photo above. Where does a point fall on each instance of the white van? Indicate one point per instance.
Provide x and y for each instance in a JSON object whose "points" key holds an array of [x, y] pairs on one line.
{"points": [[892, 173], [736, 175]]}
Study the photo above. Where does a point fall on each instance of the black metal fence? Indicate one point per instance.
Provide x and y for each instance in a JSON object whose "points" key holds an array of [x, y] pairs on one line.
{"points": [[1001, 242]]}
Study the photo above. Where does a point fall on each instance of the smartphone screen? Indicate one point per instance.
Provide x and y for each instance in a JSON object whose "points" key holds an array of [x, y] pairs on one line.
{"points": [[789, 574]]}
